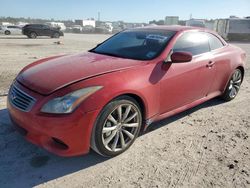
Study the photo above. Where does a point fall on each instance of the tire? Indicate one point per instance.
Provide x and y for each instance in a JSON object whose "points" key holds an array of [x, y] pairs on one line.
{"points": [[113, 133], [7, 32], [233, 86], [55, 35], [32, 35]]}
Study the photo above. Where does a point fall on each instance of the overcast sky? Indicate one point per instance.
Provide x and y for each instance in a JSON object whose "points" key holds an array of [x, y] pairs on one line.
{"points": [[127, 10]]}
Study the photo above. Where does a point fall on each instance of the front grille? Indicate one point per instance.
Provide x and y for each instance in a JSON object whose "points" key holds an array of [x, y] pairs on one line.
{"points": [[20, 99]]}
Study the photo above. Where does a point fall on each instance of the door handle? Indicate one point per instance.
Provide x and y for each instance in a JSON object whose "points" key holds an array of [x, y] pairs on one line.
{"points": [[210, 64]]}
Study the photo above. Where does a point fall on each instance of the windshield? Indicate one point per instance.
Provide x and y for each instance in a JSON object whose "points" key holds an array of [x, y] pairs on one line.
{"points": [[136, 44]]}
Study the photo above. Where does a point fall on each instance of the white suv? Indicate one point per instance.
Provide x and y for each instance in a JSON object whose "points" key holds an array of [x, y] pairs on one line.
{"points": [[11, 30]]}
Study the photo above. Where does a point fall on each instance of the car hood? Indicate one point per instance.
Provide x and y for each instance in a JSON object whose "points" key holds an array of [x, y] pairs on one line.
{"points": [[48, 75]]}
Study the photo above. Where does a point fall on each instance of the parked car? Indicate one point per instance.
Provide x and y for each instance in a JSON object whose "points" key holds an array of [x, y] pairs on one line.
{"points": [[11, 30], [233, 29], [105, 97], [195, 23], [88, 29], [34, 30]]}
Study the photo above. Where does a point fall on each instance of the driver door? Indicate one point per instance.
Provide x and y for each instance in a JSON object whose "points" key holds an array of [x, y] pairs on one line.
{"points": [[46, 30], [184, 83]]}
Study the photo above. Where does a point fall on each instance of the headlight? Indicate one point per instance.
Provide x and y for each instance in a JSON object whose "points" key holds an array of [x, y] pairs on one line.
{"points": [[69, 102]]}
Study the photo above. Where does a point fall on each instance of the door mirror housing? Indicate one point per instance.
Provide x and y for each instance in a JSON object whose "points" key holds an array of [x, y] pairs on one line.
{"points": [[181, 57]]}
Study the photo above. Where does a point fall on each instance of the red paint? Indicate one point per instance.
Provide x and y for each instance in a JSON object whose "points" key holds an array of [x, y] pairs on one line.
{"points": [[164, 88], [181, 57]]}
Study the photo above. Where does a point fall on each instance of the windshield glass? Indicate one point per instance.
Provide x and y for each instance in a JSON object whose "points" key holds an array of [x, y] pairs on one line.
{"points": [[136, 44]]}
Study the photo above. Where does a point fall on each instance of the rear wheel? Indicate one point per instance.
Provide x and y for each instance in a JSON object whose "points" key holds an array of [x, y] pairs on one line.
{"points": [[117, 127], [7, 33], [32, 35], [233, 86], [56, 35]]}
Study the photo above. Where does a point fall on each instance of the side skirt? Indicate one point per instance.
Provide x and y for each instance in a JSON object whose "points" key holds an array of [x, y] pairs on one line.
{"points": [[181, 109]]}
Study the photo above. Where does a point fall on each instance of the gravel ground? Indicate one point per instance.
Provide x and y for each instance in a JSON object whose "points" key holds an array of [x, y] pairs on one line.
{"points": [[206, 146], [19, 51]]}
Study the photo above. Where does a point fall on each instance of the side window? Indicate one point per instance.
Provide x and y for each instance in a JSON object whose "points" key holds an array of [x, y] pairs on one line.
{"points": [[214, 42], [12, 27], [37, 26], [193, 42], [45, 27]]}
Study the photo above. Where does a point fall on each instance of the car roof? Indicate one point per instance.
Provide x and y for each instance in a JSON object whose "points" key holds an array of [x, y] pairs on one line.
{"points": [[175, 28], [34, 24], [180, 28], [9, 25]]}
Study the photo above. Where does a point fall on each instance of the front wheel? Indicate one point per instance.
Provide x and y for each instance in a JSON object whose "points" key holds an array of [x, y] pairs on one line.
{"points": [[233, 86], [117, 127], [55, 35]]}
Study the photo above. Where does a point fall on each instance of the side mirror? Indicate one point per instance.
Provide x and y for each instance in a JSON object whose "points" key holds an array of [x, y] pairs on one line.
{"points": [[181, 57]]}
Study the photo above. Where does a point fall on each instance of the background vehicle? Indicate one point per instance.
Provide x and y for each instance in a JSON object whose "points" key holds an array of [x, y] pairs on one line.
{"points": [[34, 30], [88, 29], [58, 25], [196, 23], [233, 29], [101, 98], [11, 30]]}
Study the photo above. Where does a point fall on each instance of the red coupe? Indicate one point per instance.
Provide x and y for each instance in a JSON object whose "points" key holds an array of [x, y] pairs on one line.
{"points": [[102, 99]]}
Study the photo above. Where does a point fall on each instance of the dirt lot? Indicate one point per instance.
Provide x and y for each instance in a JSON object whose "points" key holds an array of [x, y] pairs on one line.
{"points": [[207, 146], [19, 51]]}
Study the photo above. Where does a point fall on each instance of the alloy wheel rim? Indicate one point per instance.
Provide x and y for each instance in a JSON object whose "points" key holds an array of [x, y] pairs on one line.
{"points": [[235, 83], [120, 127]]}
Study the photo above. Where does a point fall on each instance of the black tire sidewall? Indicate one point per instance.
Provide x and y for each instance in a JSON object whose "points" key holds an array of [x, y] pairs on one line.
{"points": [[56, 35], [101, 119], [7, 32]]}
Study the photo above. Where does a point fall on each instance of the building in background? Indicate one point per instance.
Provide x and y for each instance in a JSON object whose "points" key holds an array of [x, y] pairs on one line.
{"points": [[86, 23], [171, 20], [233, 28], [57, 25], [209, 24], [6, 23]]}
